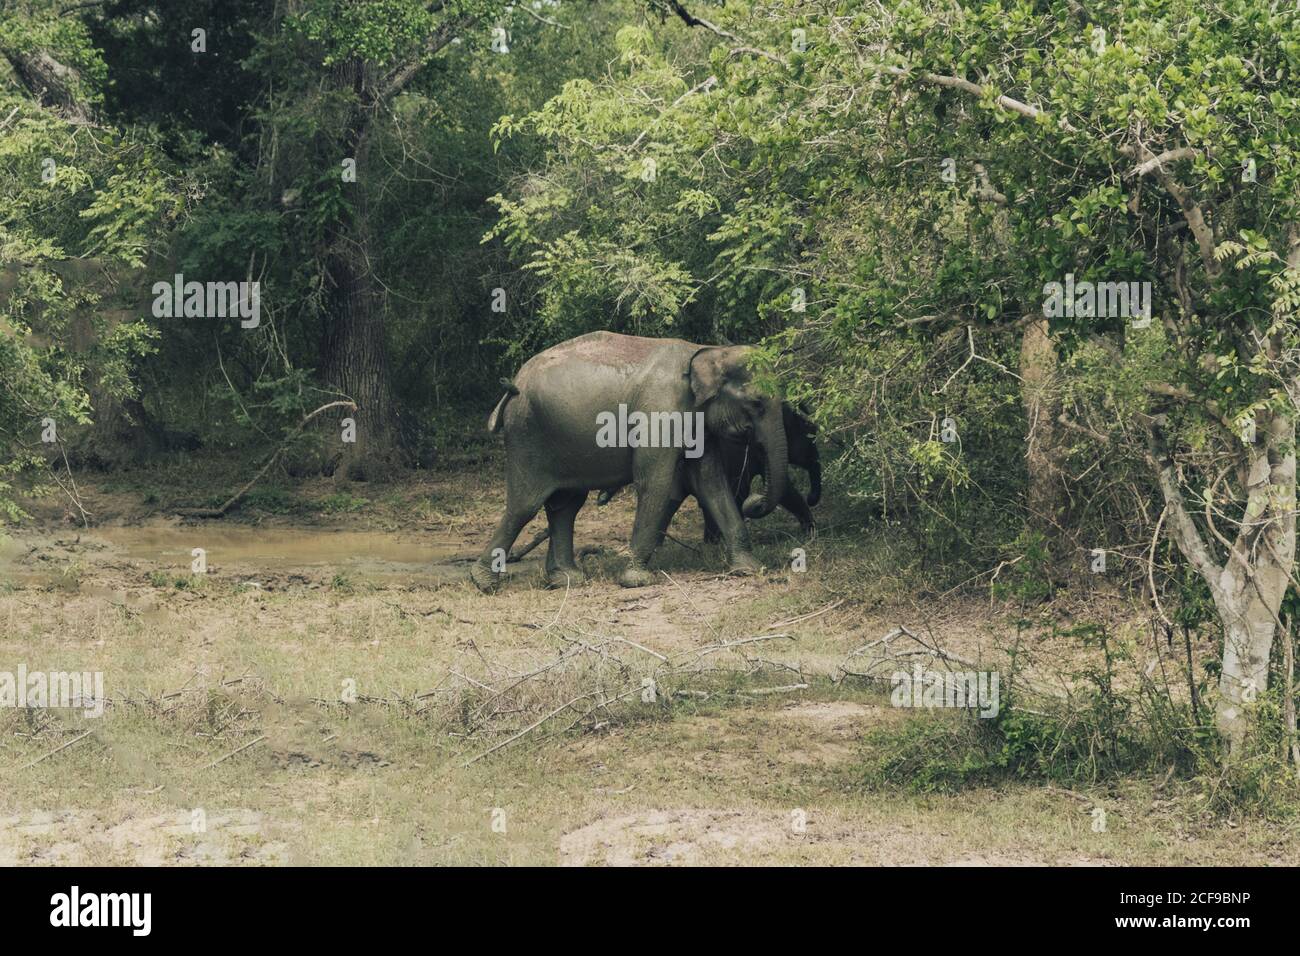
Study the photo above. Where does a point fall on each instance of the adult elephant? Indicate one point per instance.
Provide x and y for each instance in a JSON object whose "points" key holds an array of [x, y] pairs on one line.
{"points": [[552, 418]]}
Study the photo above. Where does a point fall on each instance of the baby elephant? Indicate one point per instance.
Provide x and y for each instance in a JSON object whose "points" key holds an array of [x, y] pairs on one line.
{"points": [[744, 463]]}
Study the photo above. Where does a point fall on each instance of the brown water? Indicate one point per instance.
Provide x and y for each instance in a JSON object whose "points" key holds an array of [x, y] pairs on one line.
{"points": [[238, 548], [277, 548]]}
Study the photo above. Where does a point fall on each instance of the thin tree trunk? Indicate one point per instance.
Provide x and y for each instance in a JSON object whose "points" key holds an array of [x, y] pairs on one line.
{"points": [[1254, 581], [1249, 586], [1038, 362]]}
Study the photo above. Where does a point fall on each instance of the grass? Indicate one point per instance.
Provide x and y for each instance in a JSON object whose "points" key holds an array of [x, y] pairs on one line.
{"points": [[295, 719]]}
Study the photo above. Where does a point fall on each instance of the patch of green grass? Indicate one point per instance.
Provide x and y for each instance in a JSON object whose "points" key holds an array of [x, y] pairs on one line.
{"points": [[343, 502], [181, 582]]}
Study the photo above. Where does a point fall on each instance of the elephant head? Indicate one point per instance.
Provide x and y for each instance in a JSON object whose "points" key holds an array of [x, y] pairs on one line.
{"points": [[734, 409]]}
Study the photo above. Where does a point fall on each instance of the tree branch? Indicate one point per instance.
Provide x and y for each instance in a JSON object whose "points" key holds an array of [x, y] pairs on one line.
{"points": [[742, 46], [1168, 156], [1192, 212], [1181, 525], [441, 36], [974, 89], [1179, 394], [985, 190]]}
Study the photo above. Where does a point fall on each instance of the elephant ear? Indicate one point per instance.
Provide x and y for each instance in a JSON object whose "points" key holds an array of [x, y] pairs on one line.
{"points": [[798, 419], [710, 367]]}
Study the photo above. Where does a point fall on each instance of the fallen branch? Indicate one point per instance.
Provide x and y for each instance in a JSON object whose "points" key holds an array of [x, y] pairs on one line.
{"points": [[230, 503], [233, 752], [56, 750], [537, 539], [531, 727], [805, 617]]}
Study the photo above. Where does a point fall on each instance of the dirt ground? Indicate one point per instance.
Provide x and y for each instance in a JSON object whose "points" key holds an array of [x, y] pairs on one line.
{"points": [[332, 689]]}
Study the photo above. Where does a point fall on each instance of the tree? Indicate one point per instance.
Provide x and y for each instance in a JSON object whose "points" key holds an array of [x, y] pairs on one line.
{"points": [[929, 168], [81, 205], [1151, 143], [371, 52]]}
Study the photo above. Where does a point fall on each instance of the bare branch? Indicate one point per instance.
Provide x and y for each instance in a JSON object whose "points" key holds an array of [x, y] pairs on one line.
{"points": [[1181, 526], [445, 32], [742, 46], [1156, 162], [1192, 211], [966, 86]]}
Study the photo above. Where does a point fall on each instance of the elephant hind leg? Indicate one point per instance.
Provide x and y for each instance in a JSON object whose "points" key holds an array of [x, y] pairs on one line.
{"points": [[561, 510], [490, 570], [712, 534]]}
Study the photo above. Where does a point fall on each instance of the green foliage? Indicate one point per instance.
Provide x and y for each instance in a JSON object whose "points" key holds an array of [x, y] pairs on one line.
{"points": [[79, 209], [1100, 733], [623, 172], [1260, 781]]}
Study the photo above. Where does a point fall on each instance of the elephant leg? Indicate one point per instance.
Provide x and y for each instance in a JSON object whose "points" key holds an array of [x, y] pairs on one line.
{"points": [[715, 496], [711, 533], [794, 503], [657, 500], [490, 570], [561, 511]]}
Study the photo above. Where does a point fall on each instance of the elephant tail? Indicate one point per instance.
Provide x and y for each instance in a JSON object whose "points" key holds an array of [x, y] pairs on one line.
{"points": [[495, 420]]}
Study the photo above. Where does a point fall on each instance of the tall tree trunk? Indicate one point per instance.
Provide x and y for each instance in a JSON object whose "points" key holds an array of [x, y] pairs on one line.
{"points": [[356, 346], [356, 357], [51, 83], [1038, 363]]}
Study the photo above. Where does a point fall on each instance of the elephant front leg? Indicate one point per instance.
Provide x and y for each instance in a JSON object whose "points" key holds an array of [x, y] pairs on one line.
{"points": [[658, 496], [715, 497]]}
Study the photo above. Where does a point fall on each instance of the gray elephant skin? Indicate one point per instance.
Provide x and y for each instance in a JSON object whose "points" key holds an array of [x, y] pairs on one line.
{"points": [[551, 416], [743, 464]]}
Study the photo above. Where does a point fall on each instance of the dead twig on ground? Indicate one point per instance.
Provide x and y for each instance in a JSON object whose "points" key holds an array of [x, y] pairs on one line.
{"points": [[238, 750], [806, 617], [57, 749]]}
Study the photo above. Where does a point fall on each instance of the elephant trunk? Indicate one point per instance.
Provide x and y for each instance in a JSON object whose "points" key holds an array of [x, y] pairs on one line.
{"points": [[771, 440]]}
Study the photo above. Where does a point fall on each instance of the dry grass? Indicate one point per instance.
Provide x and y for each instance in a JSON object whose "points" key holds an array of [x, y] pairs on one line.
{"points": [[333, 715]]}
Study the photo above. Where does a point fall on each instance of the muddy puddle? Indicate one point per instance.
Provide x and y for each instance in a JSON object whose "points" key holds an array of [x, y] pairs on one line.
{"points": [[241, 551]]}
